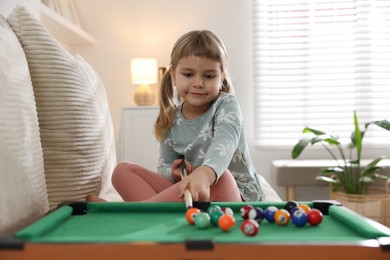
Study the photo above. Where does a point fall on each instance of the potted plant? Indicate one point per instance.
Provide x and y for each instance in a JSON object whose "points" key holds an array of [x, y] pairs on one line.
{"points": [[349, 176]]}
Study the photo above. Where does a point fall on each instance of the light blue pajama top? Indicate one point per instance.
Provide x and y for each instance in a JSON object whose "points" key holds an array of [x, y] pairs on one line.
{"points": [[215, 139]]}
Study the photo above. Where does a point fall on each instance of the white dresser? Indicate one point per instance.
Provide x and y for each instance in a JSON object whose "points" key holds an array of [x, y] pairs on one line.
{"points": [[137, 141]]}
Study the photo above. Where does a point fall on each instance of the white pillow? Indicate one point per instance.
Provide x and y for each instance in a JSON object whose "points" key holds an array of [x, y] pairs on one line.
{"points": [[23, 195], [107, 191], [74, 118], [270, 193]]}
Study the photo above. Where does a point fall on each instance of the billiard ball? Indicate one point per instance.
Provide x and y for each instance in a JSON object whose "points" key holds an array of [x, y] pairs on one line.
{"points": [[249, 227], [269, 213], [257, 214], [290, 204], [214, 216], [294, 209], [314, 217], [244, 211], [227, 210], [226, 222], [213, 208], [299, 218], [305, 207], [282, 217], [190, 215], [202, 220]]}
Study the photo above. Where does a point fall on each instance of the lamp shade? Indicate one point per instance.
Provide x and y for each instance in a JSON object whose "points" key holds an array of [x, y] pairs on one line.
{"points": [[143, 71]]}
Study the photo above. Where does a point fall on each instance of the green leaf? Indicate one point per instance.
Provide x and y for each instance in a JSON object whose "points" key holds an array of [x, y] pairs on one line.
{"points": [[372, 167], [380, 176], [358, 136], [330, 139], [366, 179], [370, 171], [374, 162], [314, 131], [381, 123], [333, 170], [353, 161], [327, 179], [299, 147]]}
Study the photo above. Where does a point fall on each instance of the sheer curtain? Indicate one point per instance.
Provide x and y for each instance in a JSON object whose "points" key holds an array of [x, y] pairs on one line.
{"points": [[317, 61]]}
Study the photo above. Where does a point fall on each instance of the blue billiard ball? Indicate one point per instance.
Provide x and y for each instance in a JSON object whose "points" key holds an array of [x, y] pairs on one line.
{"points": [[294, 209], [299, 218], [270, 213], [257, 214]]}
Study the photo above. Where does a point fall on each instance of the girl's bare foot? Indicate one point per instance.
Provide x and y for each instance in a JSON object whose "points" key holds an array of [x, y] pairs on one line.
{"points": [[93, 198]]}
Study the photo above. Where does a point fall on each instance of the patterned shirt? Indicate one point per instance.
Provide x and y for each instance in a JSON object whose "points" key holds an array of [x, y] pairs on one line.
{"points": [[215, 139]]}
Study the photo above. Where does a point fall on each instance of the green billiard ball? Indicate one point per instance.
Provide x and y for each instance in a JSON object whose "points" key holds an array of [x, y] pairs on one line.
{"points": [[202, 220], [215, 215], [213, 208]]}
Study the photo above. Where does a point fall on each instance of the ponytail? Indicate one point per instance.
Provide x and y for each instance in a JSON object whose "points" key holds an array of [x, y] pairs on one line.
{"points": [[166, 115]]}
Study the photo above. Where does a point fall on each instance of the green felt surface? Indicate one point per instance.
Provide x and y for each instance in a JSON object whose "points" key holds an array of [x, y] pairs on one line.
{"points": [[165, 222]]}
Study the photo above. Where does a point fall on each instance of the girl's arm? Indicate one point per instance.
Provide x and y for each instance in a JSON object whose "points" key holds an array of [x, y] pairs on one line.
{"points": [[166, 160], [228, 128], [169, 165]]}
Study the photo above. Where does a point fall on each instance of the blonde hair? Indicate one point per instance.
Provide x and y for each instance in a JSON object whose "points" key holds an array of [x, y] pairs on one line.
{"points": [[203, 44]]}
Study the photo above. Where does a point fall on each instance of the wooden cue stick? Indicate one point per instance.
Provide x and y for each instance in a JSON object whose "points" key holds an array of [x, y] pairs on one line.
{"points": [[187, 193]]}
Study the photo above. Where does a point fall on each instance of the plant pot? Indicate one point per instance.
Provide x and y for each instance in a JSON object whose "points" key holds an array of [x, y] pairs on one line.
{"points": [[374, 204]]}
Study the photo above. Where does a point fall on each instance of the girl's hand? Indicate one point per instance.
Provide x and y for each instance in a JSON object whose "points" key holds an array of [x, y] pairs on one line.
{"points": [[198, 183], [176, 169]]}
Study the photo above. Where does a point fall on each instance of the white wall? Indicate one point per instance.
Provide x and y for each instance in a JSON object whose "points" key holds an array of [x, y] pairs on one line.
{"points": [[6, 6]]}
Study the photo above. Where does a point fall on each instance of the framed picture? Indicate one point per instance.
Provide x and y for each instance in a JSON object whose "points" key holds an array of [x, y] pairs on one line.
{"points": [[52, 4], [68, 10]]}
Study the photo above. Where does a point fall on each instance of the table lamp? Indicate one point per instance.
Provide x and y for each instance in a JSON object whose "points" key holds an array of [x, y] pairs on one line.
{"points": [[144, 72]]}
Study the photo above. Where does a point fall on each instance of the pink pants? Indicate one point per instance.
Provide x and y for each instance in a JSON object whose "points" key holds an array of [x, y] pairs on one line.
{"points": [[135, 183]]}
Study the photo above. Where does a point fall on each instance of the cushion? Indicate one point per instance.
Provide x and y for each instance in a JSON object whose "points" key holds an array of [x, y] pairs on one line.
{"points": [[270, 193], [22, 182], [73, 114]]}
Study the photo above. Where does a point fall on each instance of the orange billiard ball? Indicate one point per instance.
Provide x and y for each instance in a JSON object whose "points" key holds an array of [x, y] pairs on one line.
{"points": [[305, 207], [226, 222], [282, 217], [191, 214]]}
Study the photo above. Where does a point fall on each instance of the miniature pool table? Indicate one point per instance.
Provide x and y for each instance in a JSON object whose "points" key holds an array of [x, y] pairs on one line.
{"points": [[136, 230]]}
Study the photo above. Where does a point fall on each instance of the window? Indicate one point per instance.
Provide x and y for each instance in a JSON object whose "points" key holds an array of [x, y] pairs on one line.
{"points": [[315, 62]]}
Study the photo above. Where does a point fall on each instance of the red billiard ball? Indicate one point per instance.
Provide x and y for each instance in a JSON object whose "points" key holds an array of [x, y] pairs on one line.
{"points": [[244, 211], [249, 227], [227, 210], [314, 217], [282, 217], [226, 222], [191, 214]]}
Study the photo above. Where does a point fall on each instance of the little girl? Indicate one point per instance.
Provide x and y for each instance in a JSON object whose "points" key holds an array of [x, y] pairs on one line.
{"points": [[206, 127]]}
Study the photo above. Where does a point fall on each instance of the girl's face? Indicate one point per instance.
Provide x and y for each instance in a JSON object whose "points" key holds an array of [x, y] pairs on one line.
{"points": [[198, 81]]}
